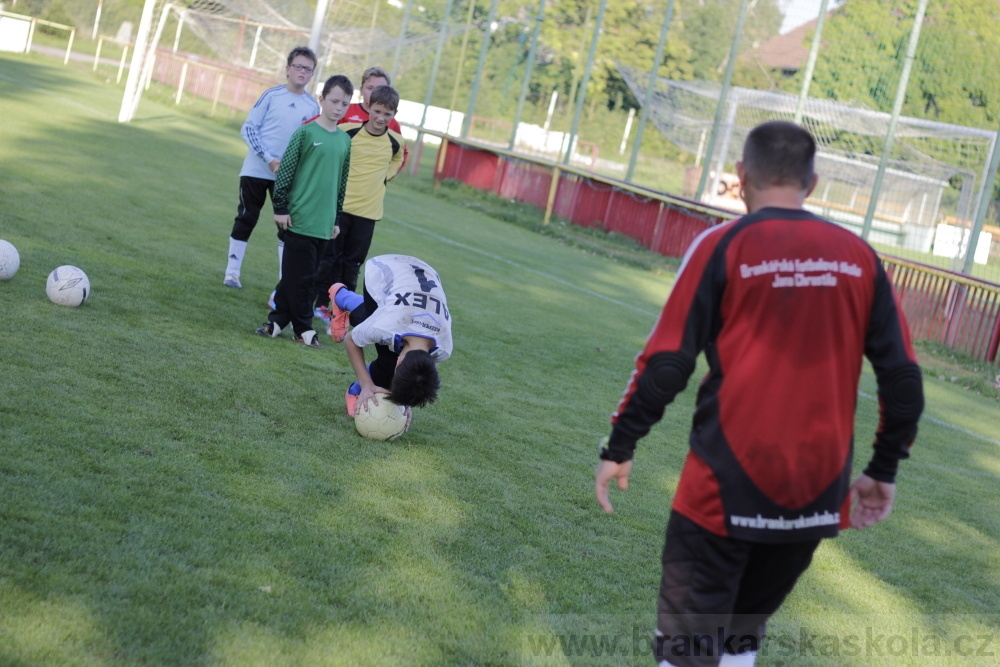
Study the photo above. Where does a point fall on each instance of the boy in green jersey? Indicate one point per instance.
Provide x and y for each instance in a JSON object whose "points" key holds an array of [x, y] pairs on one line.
{"points": [[308, 194]]}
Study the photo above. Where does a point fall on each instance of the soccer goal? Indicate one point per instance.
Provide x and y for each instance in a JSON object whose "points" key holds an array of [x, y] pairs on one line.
{"points": [[934, 174]]}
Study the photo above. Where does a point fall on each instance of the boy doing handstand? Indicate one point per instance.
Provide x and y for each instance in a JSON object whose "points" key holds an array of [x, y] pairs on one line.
{"points": [[404, 314]]}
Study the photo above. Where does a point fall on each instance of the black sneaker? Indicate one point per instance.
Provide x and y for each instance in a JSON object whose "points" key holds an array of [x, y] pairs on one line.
{"points": [[269, 329], [309, 339]]}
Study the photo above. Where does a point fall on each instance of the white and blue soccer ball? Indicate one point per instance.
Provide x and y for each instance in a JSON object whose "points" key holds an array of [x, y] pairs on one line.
{"points": [[10, 260], [385, 421], [68, 286]]}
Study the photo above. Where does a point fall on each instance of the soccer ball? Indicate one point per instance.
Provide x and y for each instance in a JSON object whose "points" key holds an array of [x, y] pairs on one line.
{"points": [[10, 261], [385, 421], [68, 286]]}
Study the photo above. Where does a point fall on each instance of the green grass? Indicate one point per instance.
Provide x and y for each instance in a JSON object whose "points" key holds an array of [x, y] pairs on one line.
{"points": [[175, 490]]}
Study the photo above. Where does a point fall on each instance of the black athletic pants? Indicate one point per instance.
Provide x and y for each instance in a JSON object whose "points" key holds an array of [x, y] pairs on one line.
{"points": [[383, 368], [717, 593], [292, 296], [344, 255], [253, 193]]}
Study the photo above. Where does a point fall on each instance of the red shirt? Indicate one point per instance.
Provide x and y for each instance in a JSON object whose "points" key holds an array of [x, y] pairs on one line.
{"points": [[785, 306]]}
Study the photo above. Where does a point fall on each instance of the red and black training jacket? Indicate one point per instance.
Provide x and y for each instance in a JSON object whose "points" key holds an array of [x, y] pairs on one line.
{"points": [[785, 305]]}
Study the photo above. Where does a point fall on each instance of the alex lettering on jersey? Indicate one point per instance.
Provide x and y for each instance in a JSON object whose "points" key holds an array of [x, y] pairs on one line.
{"points": [[411, 302]]}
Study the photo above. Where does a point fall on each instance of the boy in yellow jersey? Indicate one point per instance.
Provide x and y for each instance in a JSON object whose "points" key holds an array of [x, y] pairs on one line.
{"points": [[309, 192], [376, 156]]}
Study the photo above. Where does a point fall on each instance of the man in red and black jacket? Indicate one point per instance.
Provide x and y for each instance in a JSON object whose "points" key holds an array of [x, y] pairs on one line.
{"points": [[785, 306]]}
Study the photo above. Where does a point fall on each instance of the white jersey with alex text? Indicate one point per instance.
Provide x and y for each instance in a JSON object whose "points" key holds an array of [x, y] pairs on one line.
{"points": [[410, 302]]}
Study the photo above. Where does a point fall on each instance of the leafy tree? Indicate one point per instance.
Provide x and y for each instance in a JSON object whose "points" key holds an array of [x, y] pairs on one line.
{"points": [[956, 74]]}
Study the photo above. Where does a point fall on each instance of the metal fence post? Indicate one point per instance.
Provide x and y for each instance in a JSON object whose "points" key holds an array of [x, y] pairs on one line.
{"points": [[984, 205], [723, 94], [402, 38], [445, 27], [650, 87], [581, 93], [487, 34], [811, 63], [897, 107], [528, 69]]}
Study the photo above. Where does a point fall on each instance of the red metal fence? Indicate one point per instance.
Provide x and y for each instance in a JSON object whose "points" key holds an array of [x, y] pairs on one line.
{"points": [[664, 224], [236, 89], [948, 308]]}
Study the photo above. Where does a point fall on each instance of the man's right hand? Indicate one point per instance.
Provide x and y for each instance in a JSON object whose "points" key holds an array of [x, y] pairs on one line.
{"points": [[274, 164]]}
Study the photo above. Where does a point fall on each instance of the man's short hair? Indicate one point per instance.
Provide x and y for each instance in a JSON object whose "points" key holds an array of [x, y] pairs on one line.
{"points": [[386, 96], [416, 381], [339, 81], [302, 51], [779, 153], [375, 72]]}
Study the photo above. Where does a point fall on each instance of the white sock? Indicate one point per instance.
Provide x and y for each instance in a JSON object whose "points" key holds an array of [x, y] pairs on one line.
{"points": [[281, 251], [236, 251], [738, 660]]}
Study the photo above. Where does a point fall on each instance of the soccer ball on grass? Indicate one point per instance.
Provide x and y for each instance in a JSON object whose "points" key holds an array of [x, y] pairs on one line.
{"points": [[68, 286], [385, 421], [10, 260]]}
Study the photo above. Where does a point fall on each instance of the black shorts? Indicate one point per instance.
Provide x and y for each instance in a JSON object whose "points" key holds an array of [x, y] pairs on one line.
{"points": [[717, 593]]}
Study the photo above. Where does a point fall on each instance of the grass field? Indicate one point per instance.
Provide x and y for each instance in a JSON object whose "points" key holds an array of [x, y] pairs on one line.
{"points": [[175, 490]]}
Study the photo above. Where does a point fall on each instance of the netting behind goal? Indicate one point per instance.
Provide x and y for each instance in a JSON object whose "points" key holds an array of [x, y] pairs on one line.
{"points": [[258, 34], [930, 161], [254, 37]]}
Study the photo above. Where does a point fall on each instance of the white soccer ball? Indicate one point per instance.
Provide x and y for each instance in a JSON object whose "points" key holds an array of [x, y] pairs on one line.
{"points": [[68, 286], [10, 260], [385, 421]]}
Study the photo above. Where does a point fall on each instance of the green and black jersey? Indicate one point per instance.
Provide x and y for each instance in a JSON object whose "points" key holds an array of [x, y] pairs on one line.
{"points": [[312, 179]]}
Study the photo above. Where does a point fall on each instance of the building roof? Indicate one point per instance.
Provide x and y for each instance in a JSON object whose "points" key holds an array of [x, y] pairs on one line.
{"points": [[788, 51]]}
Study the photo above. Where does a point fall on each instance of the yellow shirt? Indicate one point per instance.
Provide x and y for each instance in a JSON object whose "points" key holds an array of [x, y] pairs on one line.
{"points": [[374, 160]]}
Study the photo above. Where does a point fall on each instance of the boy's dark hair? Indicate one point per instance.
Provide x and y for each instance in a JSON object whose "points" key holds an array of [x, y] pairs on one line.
{"points": [[779, 153], [338, 81], [302, 51], [386, 96], [416, 381], [375, 71]]}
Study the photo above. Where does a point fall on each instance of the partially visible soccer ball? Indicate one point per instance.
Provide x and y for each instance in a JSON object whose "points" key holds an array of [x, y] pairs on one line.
{"points": [[385, 421], [10, 260], [68, 286]]}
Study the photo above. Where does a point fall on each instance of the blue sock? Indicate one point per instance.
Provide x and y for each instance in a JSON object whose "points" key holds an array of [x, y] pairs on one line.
{"points": [[354, 389], [347, 300]]}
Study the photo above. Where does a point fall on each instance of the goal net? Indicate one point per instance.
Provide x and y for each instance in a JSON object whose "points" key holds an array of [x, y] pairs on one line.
{"points": [[934, 172], [255, 36]]}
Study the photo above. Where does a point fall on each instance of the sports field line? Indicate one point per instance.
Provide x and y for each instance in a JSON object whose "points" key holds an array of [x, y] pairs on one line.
{"points": [[48, 92], [504, 260], [522, 267], [941, 422]]}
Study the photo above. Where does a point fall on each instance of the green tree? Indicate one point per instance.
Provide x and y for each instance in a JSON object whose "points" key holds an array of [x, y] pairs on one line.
{"points": [[956, 75]]}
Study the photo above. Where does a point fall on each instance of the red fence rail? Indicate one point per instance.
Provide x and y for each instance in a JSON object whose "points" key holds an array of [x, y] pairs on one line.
{"points": [[233, 88], [959, 312], [663, 224], [955, 310]]}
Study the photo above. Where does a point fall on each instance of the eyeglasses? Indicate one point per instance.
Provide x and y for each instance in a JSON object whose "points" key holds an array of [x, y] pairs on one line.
{"points": [[302, 68]]}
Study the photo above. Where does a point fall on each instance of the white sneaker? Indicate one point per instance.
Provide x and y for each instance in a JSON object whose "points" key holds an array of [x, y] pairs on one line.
{"points": [[232, 280]]}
